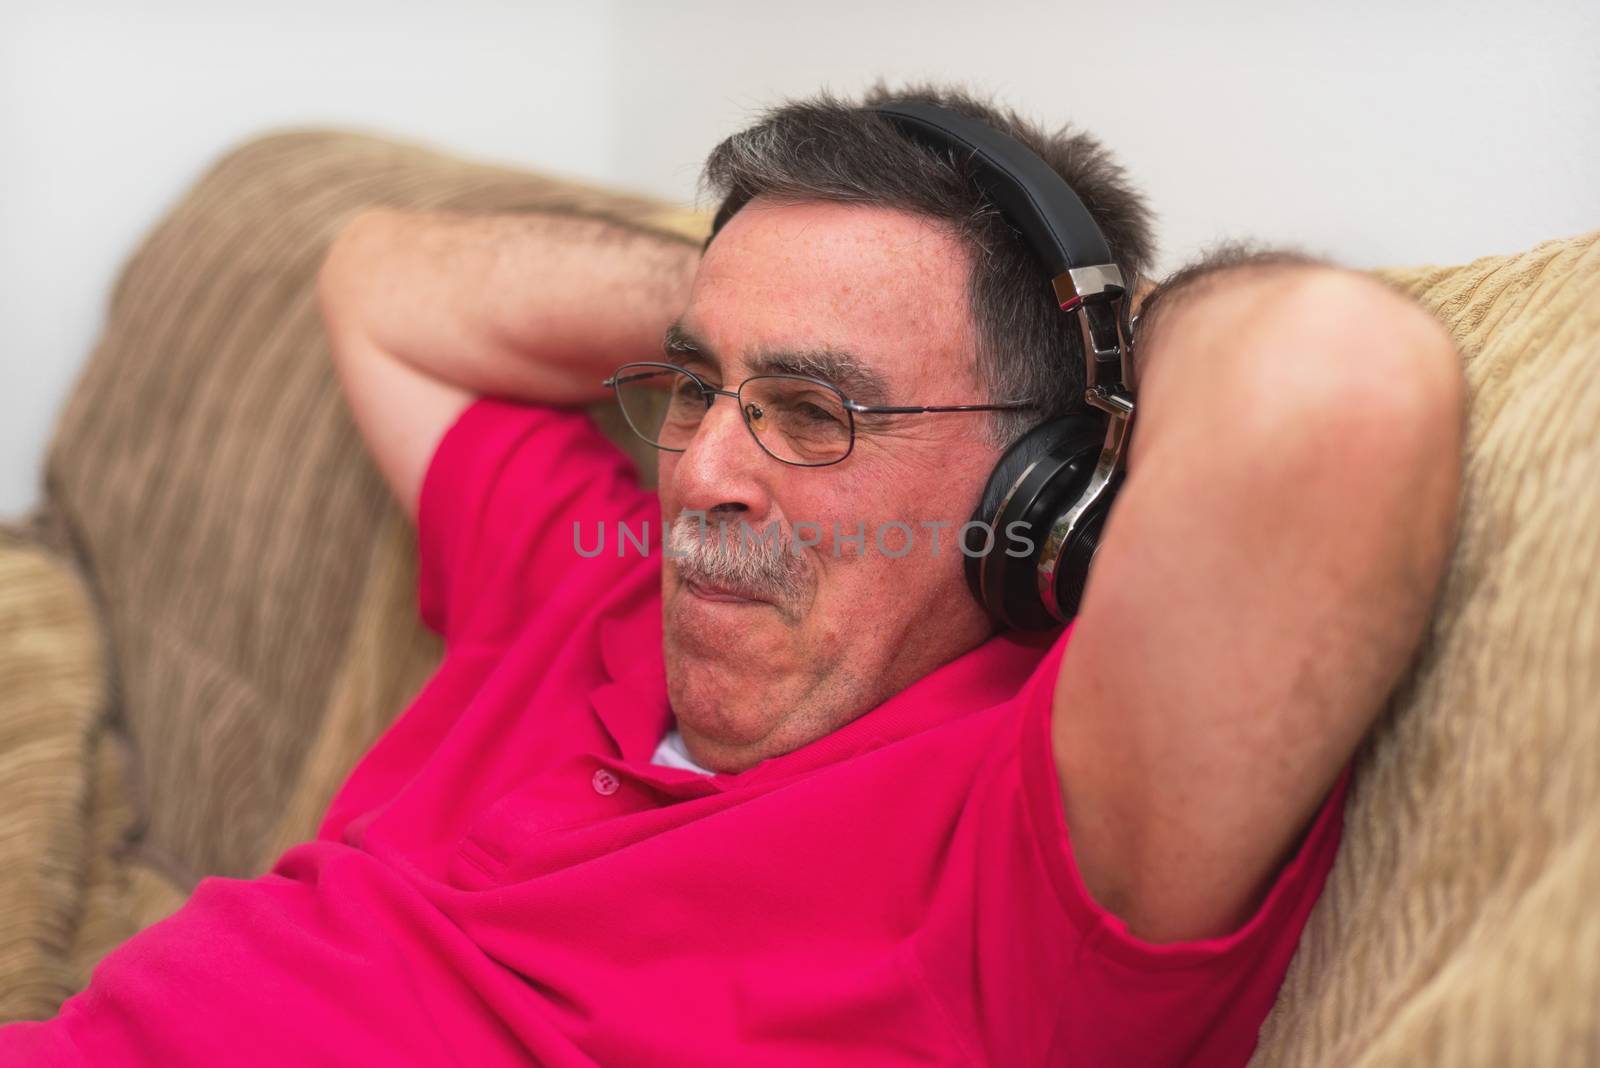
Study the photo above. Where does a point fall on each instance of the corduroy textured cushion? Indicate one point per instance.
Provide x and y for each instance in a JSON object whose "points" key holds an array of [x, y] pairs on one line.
{"points": [[1460, 925], [210, 475], [53, 699]]}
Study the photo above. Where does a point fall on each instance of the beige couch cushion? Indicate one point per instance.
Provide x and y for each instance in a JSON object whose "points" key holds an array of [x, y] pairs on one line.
{"points": [[1461, 924], [53, 698], [208, 472]]}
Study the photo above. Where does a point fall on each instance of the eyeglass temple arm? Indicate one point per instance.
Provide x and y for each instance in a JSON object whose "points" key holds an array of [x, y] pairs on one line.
{"points": [[869, 409], [890, 409]]}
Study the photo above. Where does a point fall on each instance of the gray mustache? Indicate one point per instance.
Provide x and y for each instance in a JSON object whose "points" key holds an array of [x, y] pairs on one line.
{"points": [[736, 557]]}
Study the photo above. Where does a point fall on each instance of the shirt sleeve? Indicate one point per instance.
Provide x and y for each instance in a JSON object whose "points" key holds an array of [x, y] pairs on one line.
{"points": [[511, 494], [1211, 994]]}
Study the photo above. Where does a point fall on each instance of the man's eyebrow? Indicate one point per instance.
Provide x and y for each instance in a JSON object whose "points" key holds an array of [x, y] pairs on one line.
{"points": [[843, 368], [679, 341]]}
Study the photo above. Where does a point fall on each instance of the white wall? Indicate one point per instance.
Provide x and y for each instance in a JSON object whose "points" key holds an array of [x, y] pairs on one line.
{"points": [[1375, 131], [1394, 132], [109, 110]]}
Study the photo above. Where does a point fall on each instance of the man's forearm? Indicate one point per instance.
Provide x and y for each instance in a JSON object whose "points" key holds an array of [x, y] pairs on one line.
{"points": [[1266, 573], [534, 306]]}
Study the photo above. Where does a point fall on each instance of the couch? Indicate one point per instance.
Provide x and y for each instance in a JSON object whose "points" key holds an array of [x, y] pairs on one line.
{"points": [[212, 614]]}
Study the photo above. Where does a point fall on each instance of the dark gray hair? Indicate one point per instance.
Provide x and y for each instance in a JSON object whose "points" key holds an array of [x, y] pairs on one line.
{"points": [[827, 148]]}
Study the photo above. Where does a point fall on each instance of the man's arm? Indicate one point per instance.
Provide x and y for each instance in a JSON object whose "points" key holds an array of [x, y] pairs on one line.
{"points": [[427, 310], [1266, 573]]}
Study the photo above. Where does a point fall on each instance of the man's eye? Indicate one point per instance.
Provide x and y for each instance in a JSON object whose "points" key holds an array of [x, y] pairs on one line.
{"points": [[812, 413], [685, 391]]}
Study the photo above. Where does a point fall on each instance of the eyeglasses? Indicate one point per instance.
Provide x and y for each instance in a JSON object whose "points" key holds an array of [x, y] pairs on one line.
{"points": [[798, 419]]}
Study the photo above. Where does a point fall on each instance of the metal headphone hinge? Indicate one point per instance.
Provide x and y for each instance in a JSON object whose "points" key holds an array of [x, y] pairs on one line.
{"points": [[1071, 523], [1112, 403], [1078, 285]]}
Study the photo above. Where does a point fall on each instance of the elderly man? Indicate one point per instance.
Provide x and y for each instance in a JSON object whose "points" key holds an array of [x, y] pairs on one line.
{"points": [[795, 801]]}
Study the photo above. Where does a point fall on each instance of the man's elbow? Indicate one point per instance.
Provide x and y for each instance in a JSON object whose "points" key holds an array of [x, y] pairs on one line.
{"points": [[1348, 366], [1374, 384], [344, 267]]}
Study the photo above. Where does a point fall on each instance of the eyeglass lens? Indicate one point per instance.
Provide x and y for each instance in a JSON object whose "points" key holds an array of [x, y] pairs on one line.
{"points": [[794, 419]]}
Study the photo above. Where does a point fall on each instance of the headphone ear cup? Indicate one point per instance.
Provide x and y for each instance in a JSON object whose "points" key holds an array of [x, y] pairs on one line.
{"points": [[1037, 479], [1010, 467], [1077, 556]]}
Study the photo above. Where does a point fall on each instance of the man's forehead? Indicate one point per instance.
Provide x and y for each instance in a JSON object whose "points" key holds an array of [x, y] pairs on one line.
{"points": [[854, 373], [865, 296]]}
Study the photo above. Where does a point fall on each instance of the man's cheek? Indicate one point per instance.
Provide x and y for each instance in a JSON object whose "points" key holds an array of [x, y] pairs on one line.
{"points": [[807, 535], [666, 465]]}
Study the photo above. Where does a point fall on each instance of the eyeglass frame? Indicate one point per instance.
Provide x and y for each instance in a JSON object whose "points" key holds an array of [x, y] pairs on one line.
{"points": [[851, 407]]}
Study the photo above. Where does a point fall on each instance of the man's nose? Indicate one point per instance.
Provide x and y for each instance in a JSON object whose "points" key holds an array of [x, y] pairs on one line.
{"points": [[723, 468]]}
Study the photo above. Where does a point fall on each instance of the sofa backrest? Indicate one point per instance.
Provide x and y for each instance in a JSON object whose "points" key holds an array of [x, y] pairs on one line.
{"points": [[1459, 925], [247, 555]]}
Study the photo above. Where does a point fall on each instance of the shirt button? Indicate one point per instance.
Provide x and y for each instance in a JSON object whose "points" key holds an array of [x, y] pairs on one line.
{"points": [[605, 783]]}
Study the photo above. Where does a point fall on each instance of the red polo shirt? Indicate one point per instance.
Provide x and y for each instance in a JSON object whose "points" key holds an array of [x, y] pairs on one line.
{"points": [[507, 879]]}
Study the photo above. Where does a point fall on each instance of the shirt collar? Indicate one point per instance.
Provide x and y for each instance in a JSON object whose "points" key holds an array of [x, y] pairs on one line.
{"points": [[633, 706]]}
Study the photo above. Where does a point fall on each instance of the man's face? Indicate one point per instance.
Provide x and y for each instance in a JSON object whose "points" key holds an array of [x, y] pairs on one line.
{"points": [[848, 626]]}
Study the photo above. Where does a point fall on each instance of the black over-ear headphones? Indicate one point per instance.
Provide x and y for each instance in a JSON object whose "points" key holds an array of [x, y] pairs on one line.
{"points": [[1059, 479]]}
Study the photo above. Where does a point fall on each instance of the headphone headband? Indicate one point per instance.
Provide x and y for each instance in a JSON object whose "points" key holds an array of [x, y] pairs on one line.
{"points": [[1058, 228], [1064, 482], [1033, 197]]}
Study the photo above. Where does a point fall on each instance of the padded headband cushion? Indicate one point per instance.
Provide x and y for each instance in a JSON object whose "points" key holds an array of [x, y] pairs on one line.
{"points": [[1034, 198]]}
